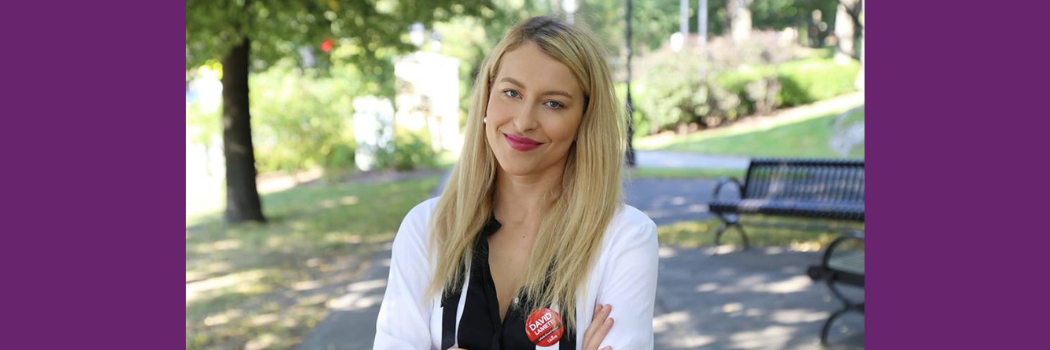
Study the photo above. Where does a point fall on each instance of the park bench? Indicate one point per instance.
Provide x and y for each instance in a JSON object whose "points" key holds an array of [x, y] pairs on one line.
{"points": [[810, 188], [845, 266]]}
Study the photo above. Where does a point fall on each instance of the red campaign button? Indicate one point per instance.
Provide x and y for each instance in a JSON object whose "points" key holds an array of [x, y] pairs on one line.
{"points": [[544, 327]]}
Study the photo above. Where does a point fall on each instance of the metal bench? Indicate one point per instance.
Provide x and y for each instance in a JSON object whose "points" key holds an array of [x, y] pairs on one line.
{"points": [[841, 266], [812, 188]]}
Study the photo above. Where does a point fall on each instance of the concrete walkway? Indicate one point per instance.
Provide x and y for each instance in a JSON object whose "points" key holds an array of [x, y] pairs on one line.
{"points": [[682, 160], [759, 299], [668, 201]]}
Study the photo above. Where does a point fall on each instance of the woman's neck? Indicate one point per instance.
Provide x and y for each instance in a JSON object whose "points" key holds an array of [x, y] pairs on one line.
{"points": [[523, 200]]}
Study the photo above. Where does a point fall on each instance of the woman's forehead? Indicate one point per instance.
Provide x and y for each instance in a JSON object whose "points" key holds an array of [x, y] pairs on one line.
{"points": [[528, 65]]}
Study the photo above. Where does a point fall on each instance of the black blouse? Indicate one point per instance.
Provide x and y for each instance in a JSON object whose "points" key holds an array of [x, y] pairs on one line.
{"points": [[480, 327]]}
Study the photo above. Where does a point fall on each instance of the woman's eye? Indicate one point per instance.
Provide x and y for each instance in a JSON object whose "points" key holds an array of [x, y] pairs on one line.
{"points": [[554, 104], [511, 93]]}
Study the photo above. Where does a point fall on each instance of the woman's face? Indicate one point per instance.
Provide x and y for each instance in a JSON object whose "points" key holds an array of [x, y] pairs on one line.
{"points": [[534, 110]]}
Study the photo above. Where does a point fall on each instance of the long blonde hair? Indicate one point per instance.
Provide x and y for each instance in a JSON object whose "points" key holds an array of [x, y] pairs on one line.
{"points": [[590, 192]]}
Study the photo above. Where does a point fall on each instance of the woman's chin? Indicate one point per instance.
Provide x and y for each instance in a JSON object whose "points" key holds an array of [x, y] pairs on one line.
{"points": [[518, 167]]}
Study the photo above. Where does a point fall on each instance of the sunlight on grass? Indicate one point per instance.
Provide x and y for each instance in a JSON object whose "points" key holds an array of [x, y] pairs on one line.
{"points": [[799, 132], [266, 285], [203, 199], [797, 234]]}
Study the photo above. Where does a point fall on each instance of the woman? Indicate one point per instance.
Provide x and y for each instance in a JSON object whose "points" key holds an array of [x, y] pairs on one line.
{"points": [[531, 222]]}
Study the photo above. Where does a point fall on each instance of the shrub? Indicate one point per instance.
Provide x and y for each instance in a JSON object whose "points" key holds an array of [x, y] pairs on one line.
{"points": [[755, 76], [300, 120], [412, 150], [812, 80]]}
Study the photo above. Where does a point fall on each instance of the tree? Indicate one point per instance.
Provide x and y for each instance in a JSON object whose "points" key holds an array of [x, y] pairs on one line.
{"points": [[847, 25], [250, 35], [739, 18]]}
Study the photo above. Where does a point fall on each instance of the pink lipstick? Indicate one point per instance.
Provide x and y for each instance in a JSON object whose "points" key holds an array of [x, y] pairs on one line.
{"points": [[521, 143]]}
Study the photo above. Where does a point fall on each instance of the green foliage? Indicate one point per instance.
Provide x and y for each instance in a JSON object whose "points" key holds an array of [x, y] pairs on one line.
{"points": [[756, 76], [205, 125], [411, 151], [654, 21], [777, 14], [371, 31], [470, 39], [815, 79], [677, 95], [301, 120], [710, 86], [801, 82]]}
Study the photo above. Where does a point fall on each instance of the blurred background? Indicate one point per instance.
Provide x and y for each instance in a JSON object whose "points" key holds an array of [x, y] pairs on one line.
{"points": [[313, 126]]}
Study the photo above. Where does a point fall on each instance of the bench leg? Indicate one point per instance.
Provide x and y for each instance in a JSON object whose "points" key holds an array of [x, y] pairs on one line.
{"points": [[747, 243], [827, 325], [849, 306], [726, 224]]}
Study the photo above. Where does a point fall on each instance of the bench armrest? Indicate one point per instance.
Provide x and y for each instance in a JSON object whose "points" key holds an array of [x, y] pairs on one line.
{"points": [[851, 235], [726, 180]]}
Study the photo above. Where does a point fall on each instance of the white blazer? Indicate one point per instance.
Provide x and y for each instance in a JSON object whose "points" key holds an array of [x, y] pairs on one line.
{"points": [[624, 276]]}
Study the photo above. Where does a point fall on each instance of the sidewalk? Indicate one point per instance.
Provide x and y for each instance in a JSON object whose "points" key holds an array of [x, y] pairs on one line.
{"points": [[682, 160], [759, 299]]}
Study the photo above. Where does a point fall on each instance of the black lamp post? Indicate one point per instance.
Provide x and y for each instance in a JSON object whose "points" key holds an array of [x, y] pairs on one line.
{"points": [[630, 105]]}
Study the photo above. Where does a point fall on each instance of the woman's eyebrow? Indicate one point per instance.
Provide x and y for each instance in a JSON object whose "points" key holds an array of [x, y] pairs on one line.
{"points": [[552, 92]]}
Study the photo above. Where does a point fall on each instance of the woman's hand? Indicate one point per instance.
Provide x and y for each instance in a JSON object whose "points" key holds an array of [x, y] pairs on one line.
{"points": [[600, 326]]}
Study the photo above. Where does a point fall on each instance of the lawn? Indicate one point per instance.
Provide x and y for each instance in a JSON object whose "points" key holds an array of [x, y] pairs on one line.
{"points": [[256, 286], [763, 231], [805, 136]]}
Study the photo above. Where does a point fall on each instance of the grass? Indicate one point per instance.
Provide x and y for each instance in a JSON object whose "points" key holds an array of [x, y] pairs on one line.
{"points": [[805, 136], [256, 286], [762, 231]]}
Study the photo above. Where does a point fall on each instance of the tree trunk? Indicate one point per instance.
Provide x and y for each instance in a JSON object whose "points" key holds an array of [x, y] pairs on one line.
{"points": [[844, 33], [859, 83], [739, 18], [242, 197]]}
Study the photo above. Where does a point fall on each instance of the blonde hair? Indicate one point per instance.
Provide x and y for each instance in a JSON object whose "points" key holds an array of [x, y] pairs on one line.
{"points": [[590, 192]]}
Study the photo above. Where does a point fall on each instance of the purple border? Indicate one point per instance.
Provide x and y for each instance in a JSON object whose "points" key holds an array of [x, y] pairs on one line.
{"points": [[92, 139], [955, 92]]}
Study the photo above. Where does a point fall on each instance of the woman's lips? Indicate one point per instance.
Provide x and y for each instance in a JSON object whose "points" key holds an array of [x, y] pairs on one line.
{"points": [[521, 143]]}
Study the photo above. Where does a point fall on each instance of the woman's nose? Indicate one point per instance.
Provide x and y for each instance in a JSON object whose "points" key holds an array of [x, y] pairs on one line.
{"points": [[525, 119]]}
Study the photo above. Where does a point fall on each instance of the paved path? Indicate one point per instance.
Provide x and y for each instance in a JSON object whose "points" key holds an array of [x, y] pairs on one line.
{"points": [[668, 201], [665, 159], [351, 321], [759, 299]]}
